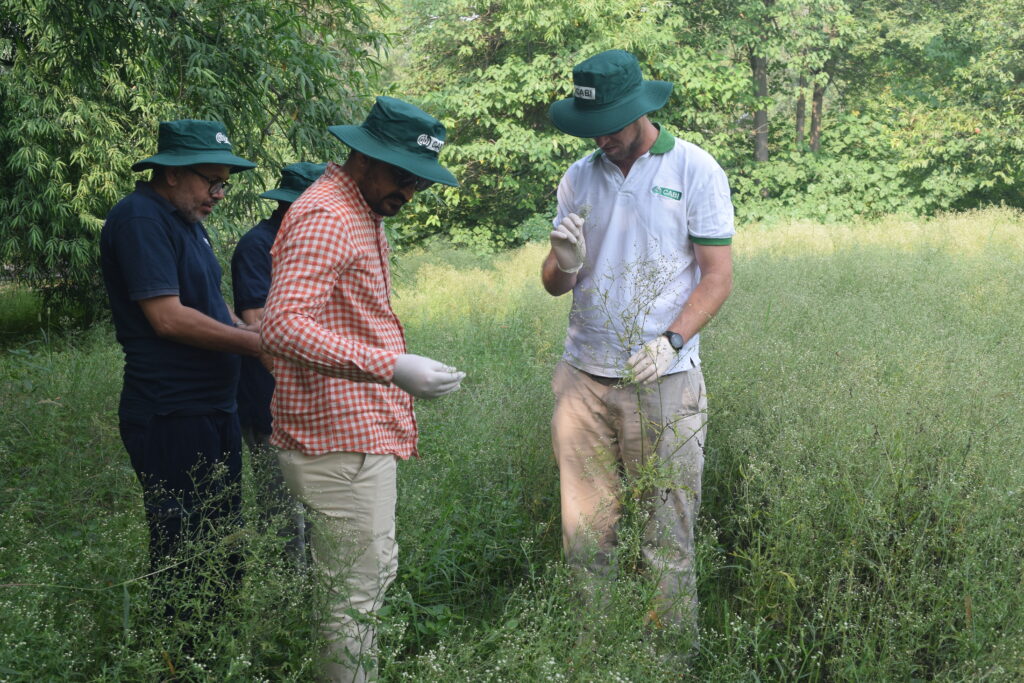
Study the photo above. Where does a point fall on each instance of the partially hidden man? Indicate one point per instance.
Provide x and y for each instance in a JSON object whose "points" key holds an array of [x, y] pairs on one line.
{"points": [[181, 346], [343, 405], [250, 284], [642, 240]]}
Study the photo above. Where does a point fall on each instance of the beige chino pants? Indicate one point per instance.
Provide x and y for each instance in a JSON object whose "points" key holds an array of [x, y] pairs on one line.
{"points": [[599, 430], [353, 543]]}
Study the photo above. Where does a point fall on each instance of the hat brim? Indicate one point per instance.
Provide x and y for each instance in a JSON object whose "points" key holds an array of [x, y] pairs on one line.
{"points": [[590, 122], [358, 139], [281, 195], [236, 164]]}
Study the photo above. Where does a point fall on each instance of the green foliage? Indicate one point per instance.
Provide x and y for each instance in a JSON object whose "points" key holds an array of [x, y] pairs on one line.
{"points": [[84, 83], [490, 73], [862, 485], [19, 311], [890, 159], [922, 104]]}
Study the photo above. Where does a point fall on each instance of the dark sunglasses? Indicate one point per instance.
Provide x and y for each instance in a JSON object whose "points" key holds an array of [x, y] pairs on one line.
{"points": [[403, 178], [221, 186]]}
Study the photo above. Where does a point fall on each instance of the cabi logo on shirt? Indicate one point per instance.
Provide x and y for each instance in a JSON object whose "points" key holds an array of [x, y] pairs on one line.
{"points": [[666, 192]]}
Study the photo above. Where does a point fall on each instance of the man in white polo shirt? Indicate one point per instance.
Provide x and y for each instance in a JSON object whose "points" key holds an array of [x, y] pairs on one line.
{"points": [[642, 240]]}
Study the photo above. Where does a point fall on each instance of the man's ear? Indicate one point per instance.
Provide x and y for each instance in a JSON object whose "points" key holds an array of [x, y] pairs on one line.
{"points": [[171, 176], [357, 164]]}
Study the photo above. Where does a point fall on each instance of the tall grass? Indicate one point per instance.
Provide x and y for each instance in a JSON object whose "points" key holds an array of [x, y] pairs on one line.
{"points": [[863, 490], [19, 311]]}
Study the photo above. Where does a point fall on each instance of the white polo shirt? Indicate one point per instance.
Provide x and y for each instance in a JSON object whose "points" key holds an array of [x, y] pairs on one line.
{"points": [[640, 230]]}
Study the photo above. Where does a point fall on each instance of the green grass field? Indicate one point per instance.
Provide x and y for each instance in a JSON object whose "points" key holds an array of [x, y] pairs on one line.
{"points": [[863, 491]]}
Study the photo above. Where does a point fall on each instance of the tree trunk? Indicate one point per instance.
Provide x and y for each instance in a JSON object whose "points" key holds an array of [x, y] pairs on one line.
{"points": [[759, 70], [801, 111], [816, 102]]}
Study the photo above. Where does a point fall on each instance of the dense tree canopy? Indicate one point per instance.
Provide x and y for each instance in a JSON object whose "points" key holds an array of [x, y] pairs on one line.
{"points": [[828, 109], [83, 84]]}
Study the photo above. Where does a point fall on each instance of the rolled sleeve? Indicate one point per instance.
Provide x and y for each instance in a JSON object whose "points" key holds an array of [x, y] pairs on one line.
{"points": [[710, 218]]}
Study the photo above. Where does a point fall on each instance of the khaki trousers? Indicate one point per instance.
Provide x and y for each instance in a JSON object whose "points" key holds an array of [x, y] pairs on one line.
{"points": [[353, 543], [653, 432]]}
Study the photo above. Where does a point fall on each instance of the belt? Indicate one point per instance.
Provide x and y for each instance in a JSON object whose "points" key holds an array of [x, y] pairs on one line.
{"points": [[607, 381]]}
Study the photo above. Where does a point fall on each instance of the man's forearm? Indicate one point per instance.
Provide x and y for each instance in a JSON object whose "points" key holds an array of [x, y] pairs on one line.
{"points": [[704, 302], [556, 281], [295, 337], [172, 320], [251, 316]]}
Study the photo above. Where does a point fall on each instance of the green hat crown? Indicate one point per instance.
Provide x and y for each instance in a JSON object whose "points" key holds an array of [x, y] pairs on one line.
{"points": [[605, 79], [295, 178], [609, 93], [400, 134], [188, 142]]}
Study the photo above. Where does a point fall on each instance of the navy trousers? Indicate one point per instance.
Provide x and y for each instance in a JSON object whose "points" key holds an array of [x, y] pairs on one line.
{"points": [[190, 469]]}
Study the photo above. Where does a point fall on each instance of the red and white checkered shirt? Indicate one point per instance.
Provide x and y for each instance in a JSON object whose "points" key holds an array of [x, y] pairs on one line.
{"points": [[329, 322]]}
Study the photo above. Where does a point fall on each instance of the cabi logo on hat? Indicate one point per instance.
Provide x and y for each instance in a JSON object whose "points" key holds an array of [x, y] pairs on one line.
{"points": [[400, 134], [609, 93], [295, 178], [188, 142]]}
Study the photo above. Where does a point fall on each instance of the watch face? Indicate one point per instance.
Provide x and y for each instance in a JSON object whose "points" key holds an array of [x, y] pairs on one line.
{"points": [[675, 339]]}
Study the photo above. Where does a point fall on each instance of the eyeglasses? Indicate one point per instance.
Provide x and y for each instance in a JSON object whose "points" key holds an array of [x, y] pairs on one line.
{"points": [[403, 178], [216, 186]]}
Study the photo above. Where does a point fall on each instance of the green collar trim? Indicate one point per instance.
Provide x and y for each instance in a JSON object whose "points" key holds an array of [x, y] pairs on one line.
{"points": [[664, 144]]}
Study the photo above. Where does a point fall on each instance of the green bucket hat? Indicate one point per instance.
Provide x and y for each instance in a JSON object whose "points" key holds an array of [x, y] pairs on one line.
{"points": [[608, 94], [400, 134], [295, 178], [188, 142]]}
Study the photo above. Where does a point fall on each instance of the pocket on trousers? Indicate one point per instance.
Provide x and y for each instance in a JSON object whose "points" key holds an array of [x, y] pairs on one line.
{"points": [[350, 465], [691, 392], [558, 377]]}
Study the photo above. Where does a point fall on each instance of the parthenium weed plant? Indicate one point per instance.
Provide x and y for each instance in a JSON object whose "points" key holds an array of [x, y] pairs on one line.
{"points": [[862, 499]]}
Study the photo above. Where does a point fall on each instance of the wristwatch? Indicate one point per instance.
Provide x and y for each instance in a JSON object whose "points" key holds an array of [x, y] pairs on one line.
{"points": [[675, 339]]}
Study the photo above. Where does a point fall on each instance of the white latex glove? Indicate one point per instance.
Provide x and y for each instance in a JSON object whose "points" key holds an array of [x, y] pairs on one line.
{"points": [[651, 361], [568, 244], [425, 378]]}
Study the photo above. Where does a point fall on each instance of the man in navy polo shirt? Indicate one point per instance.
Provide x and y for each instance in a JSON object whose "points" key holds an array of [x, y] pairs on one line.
{"points": [[250, 283], [181, 344]]}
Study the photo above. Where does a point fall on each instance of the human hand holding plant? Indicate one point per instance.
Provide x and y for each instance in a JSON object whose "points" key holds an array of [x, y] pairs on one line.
{"points": [[568, 244], [651, 361]]}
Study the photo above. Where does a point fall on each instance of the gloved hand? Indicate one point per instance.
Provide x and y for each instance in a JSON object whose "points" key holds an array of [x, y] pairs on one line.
{"points": [[568, 244], [425, 378], [651, 361]]}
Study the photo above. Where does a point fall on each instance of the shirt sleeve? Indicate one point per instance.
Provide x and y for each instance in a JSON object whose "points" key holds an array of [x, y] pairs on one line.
{"points": [[250, 273], [147, 259], [308, 258], [565, 198], [710, 218]]}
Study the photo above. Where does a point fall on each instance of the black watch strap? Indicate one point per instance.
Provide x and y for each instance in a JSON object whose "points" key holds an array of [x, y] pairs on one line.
{"points": [[675, 339]]}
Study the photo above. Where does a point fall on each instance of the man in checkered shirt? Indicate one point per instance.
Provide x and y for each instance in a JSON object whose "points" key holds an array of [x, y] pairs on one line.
{"points": [[342, 406]]}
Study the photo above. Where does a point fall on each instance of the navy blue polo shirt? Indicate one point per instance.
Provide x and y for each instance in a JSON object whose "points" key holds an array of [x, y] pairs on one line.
{"points": [[148, 249], [250, 283]]}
